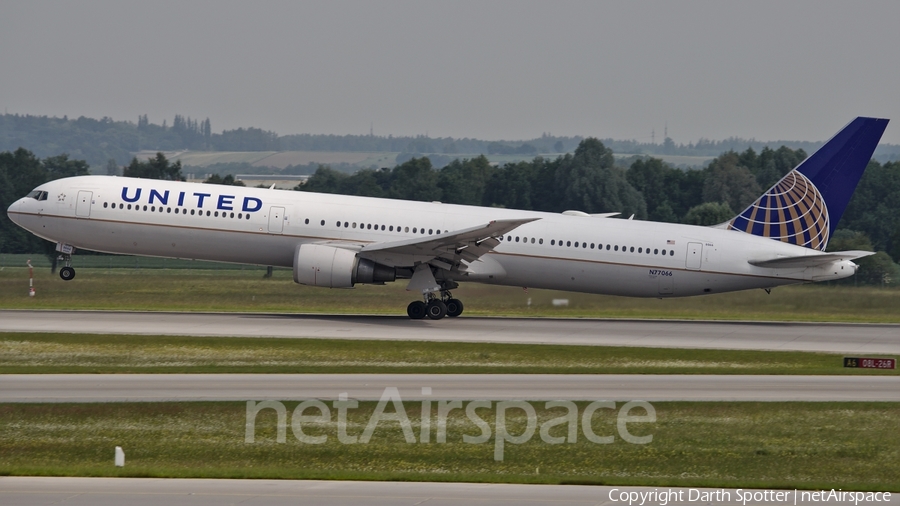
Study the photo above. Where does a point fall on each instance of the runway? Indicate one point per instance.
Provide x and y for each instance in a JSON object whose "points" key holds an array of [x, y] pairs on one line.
{"points": [[618, 387], [822, 337], [33, 491]]}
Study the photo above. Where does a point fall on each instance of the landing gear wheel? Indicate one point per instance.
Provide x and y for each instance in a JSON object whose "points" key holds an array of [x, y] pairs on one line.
{"points": [[416, 310], [436, 309], [454, 308], [67, 273]]}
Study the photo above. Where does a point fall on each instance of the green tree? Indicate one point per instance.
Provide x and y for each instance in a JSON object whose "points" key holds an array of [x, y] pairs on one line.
{"points": [[772, 165], [877, 269], [228, 180], [875, 207], [366, 183], [60, 166], [324, 180], [464, 182], [728, 182], [589, 181], [21, 172], [511, 186], [708, 214], [112, 168], [415, 180], [157, 167], [661, 186]]}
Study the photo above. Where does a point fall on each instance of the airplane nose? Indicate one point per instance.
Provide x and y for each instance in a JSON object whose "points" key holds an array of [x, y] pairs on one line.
{"points": [[11, 212]]}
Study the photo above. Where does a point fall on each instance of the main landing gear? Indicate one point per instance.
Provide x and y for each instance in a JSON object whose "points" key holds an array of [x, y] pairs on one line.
{"points": [[435, 306]]}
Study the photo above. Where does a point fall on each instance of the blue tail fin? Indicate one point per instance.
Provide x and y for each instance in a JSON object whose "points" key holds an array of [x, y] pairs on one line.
{"points": [[805, 206]]}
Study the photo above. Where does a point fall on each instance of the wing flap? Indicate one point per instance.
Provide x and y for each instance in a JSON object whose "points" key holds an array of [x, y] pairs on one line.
{"points": [[812, 260], [468, 244]]}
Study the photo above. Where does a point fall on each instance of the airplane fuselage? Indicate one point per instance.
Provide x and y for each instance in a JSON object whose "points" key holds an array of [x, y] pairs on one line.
{"points": [[265, 227]]}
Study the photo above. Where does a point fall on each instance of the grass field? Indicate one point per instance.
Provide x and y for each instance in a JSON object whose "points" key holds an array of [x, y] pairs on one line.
{"points": [[765, 445], [28, 353], [209, 289]]}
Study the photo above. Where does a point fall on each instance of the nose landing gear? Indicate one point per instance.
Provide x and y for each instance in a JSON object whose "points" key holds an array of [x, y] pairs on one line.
{"points": [[67, 273]]}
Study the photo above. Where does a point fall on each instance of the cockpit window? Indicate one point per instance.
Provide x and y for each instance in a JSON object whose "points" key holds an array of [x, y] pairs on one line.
{"points": [[38, 195]]}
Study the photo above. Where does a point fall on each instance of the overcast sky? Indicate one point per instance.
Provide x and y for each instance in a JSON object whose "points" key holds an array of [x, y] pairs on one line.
{"points": [[486, 69]]}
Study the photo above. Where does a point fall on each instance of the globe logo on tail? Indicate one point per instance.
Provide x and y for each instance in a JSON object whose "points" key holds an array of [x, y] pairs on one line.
{"points": [[792, 211]]}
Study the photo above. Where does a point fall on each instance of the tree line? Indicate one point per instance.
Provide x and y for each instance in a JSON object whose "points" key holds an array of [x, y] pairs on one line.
{"points": [[589, 180]]}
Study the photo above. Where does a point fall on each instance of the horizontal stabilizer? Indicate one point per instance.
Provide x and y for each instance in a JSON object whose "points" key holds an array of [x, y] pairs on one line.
{"points": [[810, 260]]}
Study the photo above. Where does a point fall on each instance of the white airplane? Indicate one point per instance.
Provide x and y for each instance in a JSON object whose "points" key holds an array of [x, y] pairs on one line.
{"points": [[338, 241]]}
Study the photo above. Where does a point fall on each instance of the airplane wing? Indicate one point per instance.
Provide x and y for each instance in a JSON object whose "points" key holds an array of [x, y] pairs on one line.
{"points": [[813, 260], [445, 250]]}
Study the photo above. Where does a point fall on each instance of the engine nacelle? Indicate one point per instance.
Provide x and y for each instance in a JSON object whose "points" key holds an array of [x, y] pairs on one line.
{"points": [[320, 265]]}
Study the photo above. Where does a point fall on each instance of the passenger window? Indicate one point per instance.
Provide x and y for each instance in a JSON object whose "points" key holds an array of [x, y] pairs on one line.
{"points": [[346, 224], [592, 245], [382, 227], [306, 221], [552, 242], [532, 240], [322, 223], [656, 252], [632, 249], [540, 241], [617, 248], [429, 231], [671, 253]]}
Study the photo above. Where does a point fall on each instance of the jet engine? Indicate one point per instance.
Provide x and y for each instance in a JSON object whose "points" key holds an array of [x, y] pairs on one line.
{"points": [[320, 265]]}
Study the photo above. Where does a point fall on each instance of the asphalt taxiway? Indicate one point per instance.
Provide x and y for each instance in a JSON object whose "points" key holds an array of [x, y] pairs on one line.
{"points": [[822, 337], [618, 387], [33, 491]]}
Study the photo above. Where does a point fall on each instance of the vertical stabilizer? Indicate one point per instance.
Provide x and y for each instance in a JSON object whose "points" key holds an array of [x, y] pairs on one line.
{"points": [[805, 206]]}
